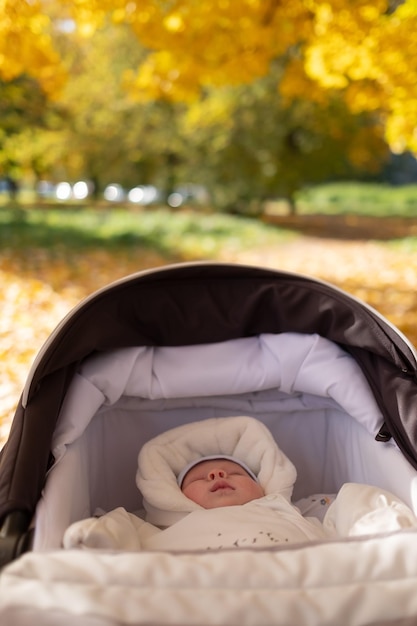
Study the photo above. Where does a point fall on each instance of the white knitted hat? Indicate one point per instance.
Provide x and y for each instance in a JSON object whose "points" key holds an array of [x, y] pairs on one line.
{"points": [[213, 457]]}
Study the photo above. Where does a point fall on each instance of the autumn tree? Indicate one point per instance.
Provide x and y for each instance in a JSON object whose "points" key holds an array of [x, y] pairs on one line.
{"points": [[322, 60], [92, 142], [27, 45], [106, 135], [247, 144], [364, 50], [25, 114]]}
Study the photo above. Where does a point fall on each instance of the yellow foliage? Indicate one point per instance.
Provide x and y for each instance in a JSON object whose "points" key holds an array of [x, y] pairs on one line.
{"points": [[360, 49], [295, 83], [23, 300], [213, 42], [401, 130], [26, 45], [32, 307], [371, 56], [364, 96], [363, 49], [210, 112]]}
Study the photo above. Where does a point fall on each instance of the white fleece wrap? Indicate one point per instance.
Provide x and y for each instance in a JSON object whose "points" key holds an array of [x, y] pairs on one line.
{"points": [[161, 459]]}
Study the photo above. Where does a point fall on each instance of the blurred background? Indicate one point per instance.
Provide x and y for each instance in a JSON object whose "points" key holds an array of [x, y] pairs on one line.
{"points": [[136, 134]]}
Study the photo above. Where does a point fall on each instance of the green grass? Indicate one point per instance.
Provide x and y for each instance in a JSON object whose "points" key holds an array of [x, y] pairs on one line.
{"points": [[407, 245], [375, 200], [185, 234]]}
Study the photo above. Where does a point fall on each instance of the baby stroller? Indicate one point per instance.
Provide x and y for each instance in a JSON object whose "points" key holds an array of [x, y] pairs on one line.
{"points": [[331, 378]]}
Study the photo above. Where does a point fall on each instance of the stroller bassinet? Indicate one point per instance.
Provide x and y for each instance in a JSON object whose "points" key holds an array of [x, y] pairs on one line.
{"points": [[331, 378]]}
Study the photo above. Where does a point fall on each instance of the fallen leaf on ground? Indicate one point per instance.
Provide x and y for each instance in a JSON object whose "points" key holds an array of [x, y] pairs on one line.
{"points": [[37, 293]]}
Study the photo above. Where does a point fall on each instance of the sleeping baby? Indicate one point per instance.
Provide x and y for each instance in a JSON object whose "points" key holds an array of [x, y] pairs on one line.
{"points": [[225, 483]]}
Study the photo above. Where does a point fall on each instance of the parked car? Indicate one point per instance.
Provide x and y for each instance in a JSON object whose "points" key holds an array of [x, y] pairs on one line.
{"points": [[45, 189], [144, 195], [114, 193], [64, 190], [81, 190], [190, 193], [9, 186]]}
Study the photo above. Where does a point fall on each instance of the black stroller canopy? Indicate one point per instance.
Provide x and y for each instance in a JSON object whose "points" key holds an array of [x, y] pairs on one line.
{"points": [[200, 303]]}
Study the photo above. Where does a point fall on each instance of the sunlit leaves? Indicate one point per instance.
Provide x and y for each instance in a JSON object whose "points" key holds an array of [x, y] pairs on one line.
{"points": [[370, 55], [215, 42], [32, 307], [26, 44], [30, 310], [366, 50], [363, 50]]}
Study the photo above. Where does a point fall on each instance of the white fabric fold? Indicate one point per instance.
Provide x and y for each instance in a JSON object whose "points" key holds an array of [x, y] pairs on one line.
{"points": [[292, 362], [354, 583]]}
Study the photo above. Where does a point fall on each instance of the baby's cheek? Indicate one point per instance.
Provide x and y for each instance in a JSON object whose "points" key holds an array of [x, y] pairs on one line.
{"points": [[258, 491], [193, 492]]}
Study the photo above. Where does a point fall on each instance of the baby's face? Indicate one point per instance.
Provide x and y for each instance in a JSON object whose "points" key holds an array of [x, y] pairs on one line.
{"points": [[220, 482]]}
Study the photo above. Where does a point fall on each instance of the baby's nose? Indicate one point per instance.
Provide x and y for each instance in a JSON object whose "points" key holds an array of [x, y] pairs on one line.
{"points": [[216, 473]]}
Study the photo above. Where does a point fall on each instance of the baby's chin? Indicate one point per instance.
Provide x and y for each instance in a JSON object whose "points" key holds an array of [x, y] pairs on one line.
{"points": [[226, 499]]}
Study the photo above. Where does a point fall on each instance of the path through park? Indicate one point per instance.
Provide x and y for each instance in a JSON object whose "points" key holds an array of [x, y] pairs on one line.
{"points": [[383, 276]]}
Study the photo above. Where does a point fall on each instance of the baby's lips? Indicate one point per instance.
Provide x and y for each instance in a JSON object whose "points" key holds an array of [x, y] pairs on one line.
{"points": [[221, 484]]}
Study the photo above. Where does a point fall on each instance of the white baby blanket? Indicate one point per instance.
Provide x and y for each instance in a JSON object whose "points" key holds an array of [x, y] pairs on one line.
{"points": [[268, 522]]}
